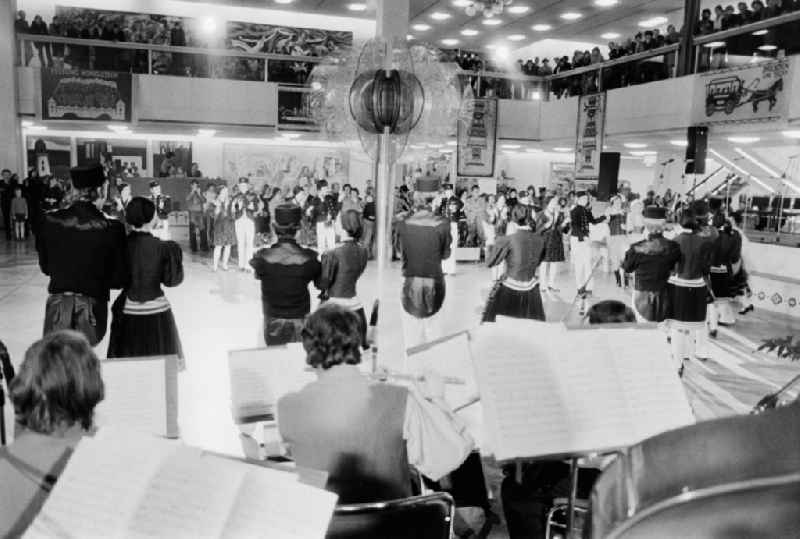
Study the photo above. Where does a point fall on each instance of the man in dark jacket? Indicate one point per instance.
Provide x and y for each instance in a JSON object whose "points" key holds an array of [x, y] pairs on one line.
{"points": [[83, 253], [285, 269]]}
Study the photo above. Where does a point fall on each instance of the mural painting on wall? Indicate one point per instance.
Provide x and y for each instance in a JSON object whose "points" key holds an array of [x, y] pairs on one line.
{"points": [[172, 158], [86, 95], [120, 158], [285, 166], [50, 155], [589, 139], [749, 93]]}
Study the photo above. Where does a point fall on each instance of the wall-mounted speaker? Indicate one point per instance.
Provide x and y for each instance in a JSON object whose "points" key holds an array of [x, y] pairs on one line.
{"points": [[697, 137], [609, 175]]}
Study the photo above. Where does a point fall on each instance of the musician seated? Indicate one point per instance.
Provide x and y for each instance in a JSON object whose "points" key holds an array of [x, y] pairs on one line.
{"points": [[348, 425], [54, 396]]}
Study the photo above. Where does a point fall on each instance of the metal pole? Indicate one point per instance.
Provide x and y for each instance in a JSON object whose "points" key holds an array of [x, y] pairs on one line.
{"points": [[383, 210], [573, 495]]}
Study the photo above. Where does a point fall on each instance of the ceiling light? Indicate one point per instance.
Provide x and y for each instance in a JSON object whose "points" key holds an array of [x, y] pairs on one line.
{"points": [[518, 10], [284, 1], [435, 145], [26, 123], [605, 3], [510, 146], [469, 32], [440, 15], [679, 142], [516, 37], [536, 95], [767, 47], [642, 153], [743, 140], [562, 149], [795, 133], [291, 135], [451, 143], [206, 132], [653, 21], [492, 22], [635, 145], [541, 27], [714, 44], [610, 35], [357, 7], [532, 150], [208, 26], [421, 27], [461, 3], [409, 37], [450, 41], [757, 163], [119, 128], [761, 32], [571, 16], [37, 128], [445, 150]]}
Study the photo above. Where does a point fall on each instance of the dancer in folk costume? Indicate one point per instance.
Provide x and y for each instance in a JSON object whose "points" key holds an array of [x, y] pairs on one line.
{"points": [[553, 233]]}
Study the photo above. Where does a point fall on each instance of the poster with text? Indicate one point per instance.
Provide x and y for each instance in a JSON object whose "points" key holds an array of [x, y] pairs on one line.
{"points": [[477, 138], [749, 93], [86, 95], [589, 140]]}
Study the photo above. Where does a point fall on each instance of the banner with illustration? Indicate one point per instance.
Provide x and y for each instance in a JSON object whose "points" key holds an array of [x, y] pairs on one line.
{"points": [[86, 95], [285, 166], [477, 138], [749, 93], [589, 139]]}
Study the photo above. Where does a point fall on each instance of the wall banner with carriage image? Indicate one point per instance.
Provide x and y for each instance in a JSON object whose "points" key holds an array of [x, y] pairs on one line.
{"points": [[590, 134], [86, 95], [750, 93]]}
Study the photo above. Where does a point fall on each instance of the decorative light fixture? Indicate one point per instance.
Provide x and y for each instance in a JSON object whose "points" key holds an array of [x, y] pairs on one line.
{"points": [[541, 27], [489, 8]]}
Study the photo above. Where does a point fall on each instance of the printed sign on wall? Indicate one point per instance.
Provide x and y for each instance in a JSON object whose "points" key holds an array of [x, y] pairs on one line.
{"points": [[589, 139], [477, 138], [86, 95], [750, 93]]}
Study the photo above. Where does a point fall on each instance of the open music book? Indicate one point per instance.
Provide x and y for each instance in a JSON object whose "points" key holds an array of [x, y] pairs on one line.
{"points": [[141, 393], [549, 390], [260, 376], [119, 484]]}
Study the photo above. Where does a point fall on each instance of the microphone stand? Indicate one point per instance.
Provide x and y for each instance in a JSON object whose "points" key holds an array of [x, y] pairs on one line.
{"points": [[771, 401]]}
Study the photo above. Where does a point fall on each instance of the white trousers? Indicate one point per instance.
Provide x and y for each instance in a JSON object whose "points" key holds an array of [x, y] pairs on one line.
{"points": [[581, 252], [449, 264], [245, 239], [326, 237], [688, 343], [162, 230], [721, 311]]}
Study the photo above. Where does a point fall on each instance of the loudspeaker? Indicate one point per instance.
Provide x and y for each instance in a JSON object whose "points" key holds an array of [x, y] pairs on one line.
{"points": [[609, 175], [697, 137]]}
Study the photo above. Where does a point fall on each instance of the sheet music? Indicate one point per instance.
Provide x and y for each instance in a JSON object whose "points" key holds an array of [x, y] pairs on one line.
{"points": [[548, 390], [259, 377], [100, 489], [139, 395], [274, 504]]}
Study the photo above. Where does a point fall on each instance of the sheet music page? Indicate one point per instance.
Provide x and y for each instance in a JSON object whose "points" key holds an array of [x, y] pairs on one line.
{"points": [[274, 504], [190, 496], [101, 487], [136, 396], [260, 377]]}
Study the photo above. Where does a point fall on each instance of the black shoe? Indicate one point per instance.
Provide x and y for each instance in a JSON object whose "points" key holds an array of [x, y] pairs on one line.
{"points": [[619, 280], [582, 292], [713, 333], [680, 372], [747, 309]]}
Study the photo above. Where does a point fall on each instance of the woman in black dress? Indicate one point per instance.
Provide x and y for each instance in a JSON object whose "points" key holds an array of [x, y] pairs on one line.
{"points": [[556, 214], [143, 324], [517, 294], [342, 267]]}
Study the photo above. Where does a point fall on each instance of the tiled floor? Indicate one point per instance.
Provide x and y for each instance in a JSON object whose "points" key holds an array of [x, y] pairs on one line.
{"points": [[217, 312]]}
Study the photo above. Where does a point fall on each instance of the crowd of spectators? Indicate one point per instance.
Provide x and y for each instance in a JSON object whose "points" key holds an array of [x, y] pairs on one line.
{"points": [[730, 17]]}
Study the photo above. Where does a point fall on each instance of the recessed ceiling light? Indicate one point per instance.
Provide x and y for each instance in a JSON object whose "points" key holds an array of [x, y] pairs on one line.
{"points": [[679, 142], [610, 35], [642, 153], [462, 3], [206, 132], [516, 37], [445, 150], [562, 149], [119, 128], [449, 41], [767, 47], [37, 128], [284, 1], [792, 133], [635, 145], [653, 21], [291, 135], [510, 146], [421, 27], [440, 15], [743, 140], [761, 32], [26, 123], [571, 16], [714, 44], [491, 22], [357, 7], [541, 27], [409, 37], [469, 32], [606, 3], [451, 143], [518, 10]]}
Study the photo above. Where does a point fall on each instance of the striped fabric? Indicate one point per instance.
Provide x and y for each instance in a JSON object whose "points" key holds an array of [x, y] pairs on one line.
{"points": [[688, 283], [352, 304], [145, 308], [520, 286], [719, 269]]}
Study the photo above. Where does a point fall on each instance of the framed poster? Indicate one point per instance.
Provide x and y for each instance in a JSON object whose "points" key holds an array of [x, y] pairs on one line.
{"points": [[749, 93], [589, 137], [86, 95], [477, 138]]}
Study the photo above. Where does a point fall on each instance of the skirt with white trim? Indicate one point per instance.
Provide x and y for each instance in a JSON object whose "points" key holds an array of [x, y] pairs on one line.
{"points": [[507, 301], [138, 335], [687, 305]]}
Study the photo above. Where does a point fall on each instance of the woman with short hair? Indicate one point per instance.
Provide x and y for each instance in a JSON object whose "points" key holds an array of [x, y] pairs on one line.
{"points": [[54, 395]]}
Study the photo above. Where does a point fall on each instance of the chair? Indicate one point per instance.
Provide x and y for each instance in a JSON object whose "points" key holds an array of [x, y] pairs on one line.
{"points": [[417, 517], [557, 518]]}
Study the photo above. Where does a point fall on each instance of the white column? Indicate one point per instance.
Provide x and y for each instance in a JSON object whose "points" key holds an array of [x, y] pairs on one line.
{"points": [[10, 137]]}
